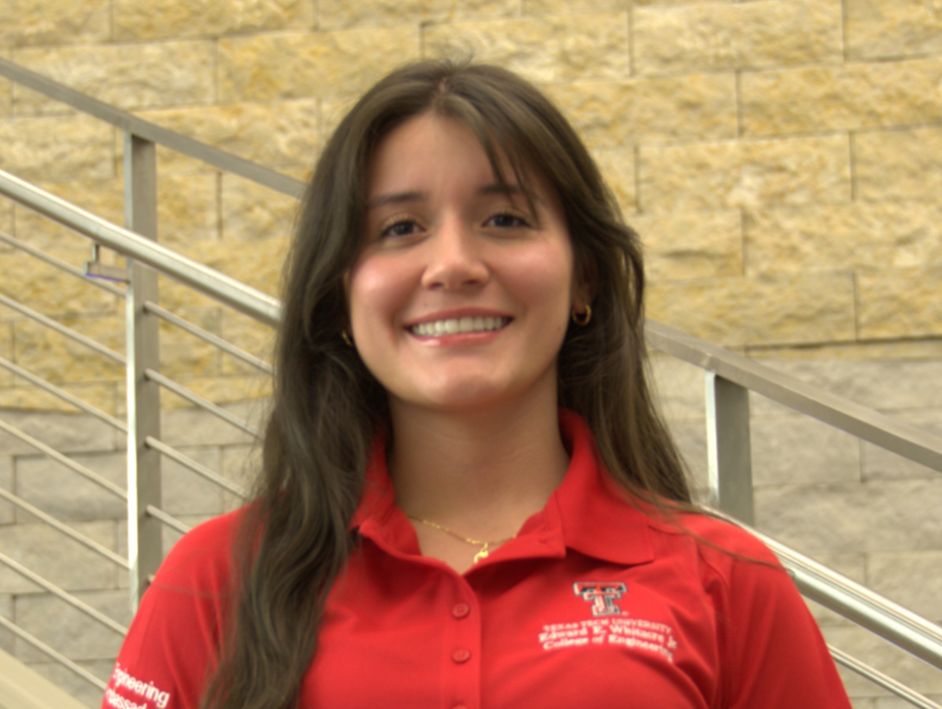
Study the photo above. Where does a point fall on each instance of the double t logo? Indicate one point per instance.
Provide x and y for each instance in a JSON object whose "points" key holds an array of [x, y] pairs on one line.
{"points": [[601, 594]]}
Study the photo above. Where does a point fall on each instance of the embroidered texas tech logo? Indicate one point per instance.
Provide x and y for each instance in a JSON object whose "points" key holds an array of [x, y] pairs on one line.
{"points": [[601, 594]]}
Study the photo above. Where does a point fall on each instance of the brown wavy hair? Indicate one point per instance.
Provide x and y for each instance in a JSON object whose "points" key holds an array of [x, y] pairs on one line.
{"points": [[295, 536]]}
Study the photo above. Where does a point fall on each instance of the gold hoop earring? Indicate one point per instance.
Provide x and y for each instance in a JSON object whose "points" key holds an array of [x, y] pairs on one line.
{"points": [[582, 319], [346, 338]]}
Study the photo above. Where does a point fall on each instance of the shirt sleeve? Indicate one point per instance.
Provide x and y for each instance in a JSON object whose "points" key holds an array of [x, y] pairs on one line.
{"points": [[172, 645], [773, 653]]}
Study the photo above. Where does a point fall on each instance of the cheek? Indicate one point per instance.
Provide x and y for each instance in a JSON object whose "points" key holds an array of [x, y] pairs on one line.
{"points": [[376, 288]]}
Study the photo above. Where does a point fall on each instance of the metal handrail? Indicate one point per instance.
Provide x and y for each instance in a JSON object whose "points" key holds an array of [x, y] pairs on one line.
{"points": [[65, 529], [856, 602], [168, 520], [64, 595], [68, 332], [209, 337], [54, 654], [865, 423], [195, 466], [64, 460], [151, 131], [199, 401], [60, 264], [63, 395], [225, 289], [885, 681]]}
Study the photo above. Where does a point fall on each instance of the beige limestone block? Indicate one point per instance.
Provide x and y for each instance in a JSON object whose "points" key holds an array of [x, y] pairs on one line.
{"points": [[694, 245], [892, 28], [103, 197], [645, 110], [544, 50], [898, 165], [56, 148], [900, 303], [732, 312], [710, 36], [26, 397], [6, 88], [51, 22], [68, 629], [127, 76], [857, 235], [342, 13], [747, 174], [910, 578], [333, 110], [286, 66], [187, 209], [173, 19], [249, 335], [251, 212], [231, 389], [50, 290], [7, 210], [59, 359], [184, 355], [256, 263], [845, 97], [278, 135], [6, 350], [618, 170], [573, 7], [40, 548], [886, 658]]}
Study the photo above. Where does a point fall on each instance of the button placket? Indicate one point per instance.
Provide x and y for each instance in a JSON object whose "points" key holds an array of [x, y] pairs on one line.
{"points": [[462, 651]]}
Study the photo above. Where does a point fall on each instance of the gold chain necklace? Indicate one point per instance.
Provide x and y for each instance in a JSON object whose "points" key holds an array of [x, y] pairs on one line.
{"points": [[482, 553]]}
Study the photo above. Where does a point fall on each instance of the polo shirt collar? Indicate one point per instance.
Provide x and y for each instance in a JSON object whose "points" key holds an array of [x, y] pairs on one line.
{"points": [[588, 512]]}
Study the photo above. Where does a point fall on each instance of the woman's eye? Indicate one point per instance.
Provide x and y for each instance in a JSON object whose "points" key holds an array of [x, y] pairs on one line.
{"points": [[507, 221], [400, 228]]}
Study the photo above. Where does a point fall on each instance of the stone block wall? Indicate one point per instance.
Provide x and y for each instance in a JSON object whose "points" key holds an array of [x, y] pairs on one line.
{"points": [[778, 157]]}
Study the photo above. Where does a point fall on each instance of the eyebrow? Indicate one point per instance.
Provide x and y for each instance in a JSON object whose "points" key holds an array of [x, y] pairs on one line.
{"points": [[416, 196]]}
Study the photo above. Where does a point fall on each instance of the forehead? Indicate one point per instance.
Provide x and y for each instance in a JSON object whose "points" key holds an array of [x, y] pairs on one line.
{"points": [[431, 151]]}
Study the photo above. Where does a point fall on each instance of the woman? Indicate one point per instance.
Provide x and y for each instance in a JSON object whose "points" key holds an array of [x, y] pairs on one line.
{"points": [[468, 499]]}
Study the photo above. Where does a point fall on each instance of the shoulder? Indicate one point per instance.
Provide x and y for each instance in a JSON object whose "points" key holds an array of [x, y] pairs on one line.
{"points": [[202, 558]]}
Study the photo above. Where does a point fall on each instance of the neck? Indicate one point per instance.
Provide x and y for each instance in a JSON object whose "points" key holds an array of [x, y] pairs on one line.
{"points": [[481, 472]]}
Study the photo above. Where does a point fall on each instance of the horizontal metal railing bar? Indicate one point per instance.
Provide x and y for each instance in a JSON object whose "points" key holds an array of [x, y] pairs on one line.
{"points": [[168, 520], [225, 289], [51, 652], [65, 529], [61, 265], [89, 475], [68, 332], [885, 681], [151, 131], [880, 615], [209, 337], [196, 467], [204, 404], [899, 437], [64, 395], [64, 595]]}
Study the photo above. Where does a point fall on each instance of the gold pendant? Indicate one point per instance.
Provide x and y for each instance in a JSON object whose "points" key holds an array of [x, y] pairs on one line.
{"points": [[481, 554]]}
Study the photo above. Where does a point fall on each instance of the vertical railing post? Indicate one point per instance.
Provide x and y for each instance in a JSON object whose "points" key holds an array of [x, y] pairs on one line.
{"points": [[144, 487], [728, 449]]}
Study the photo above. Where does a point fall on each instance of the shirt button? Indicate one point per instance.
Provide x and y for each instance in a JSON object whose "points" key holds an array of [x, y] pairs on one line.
{"points": [[459, 706], [460, 611], [461, 656]]}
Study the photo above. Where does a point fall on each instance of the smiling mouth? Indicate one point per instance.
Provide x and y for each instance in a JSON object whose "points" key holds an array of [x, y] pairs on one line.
{"points": [[457, 326]]}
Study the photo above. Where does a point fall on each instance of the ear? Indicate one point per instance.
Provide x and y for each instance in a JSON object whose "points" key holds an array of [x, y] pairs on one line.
{"points": [[585, 287]]}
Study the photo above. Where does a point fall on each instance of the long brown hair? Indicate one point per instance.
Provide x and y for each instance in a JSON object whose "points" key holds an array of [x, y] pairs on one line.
{"points": [[327, 406]]}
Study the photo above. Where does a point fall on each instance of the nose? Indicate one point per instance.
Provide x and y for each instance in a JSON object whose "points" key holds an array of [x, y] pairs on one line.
{"points": [[455, 260]]}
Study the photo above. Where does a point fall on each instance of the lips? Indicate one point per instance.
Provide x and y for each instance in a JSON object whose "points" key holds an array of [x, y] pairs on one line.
{"points": [[458, 326]]}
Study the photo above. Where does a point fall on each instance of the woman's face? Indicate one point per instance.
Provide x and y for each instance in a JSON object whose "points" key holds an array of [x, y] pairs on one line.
{"points": [[461, 296]]}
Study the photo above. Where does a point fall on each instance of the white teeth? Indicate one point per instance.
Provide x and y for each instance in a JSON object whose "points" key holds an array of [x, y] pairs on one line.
{"points": [[453, 326]]}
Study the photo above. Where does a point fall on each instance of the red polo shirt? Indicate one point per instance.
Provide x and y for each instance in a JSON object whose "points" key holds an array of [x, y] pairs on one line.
{"points": [[594, 603]]}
